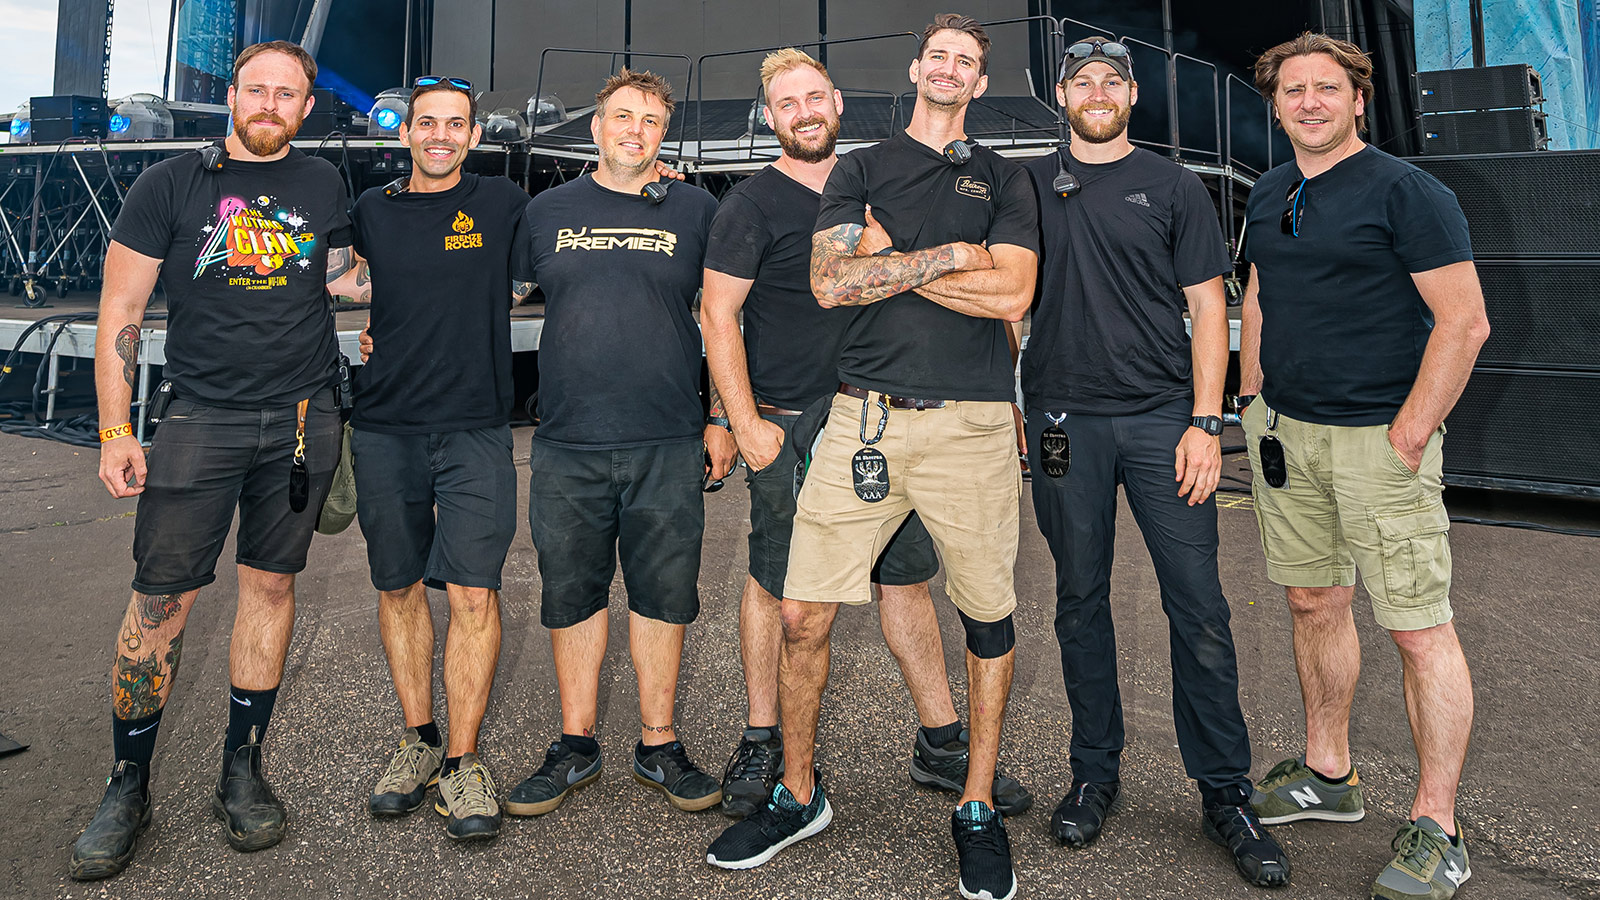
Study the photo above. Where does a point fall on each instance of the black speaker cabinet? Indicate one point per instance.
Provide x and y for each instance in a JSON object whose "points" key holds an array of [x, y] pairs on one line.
{"points": [[1487, 87], [1486, 131], [1540, 205], [1543, 314], [1528, 431]]}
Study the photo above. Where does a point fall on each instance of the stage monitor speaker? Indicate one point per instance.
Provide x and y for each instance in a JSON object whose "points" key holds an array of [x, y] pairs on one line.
{"points": [[1487, 131], [1543, 314], [1529, 205], [1487, 87], [58, 118], [1526, 430]]}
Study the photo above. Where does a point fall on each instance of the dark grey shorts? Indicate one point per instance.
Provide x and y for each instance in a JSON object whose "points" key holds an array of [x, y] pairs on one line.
{"points": [[908, 559], [438, 508], [207, 461], [644, 504]]}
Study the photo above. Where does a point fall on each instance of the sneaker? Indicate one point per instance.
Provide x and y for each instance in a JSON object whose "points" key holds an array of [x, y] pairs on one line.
{"points": [[985, 853], [1292, 792], [752, 772], [467, 797], [564, 771], [1256, 856], [1083, 811], [1427, 865], [252, 816], [106, 847], [945, 768], [413, 769], [669, 769], [781, 821]]}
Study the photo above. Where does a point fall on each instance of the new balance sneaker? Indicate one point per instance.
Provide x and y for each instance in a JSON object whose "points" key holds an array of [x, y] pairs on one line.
{"points": [[984, 851], [253, 817], [781, 821], [564, 771], [1427, 865], [945, 768], [668, 769], [1082, 813], [1256, 855], [1292, 792], [752, 772], [106, 847], [403, 787], [466, 796]]}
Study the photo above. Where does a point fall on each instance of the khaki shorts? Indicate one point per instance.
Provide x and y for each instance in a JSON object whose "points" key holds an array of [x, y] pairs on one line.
{"points": [[956, 466], [1350, 504]]}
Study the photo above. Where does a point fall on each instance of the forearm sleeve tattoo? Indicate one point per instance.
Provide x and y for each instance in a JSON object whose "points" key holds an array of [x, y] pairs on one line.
{"points": [[849, 280]]}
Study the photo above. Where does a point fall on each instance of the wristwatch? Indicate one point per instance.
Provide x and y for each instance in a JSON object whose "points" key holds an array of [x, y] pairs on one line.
{"points": [[1211, 425], [722, 421]]}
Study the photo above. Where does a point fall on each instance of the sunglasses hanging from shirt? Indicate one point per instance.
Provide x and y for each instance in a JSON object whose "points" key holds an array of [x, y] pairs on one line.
{"points": [[1055, 450], [1296, 213]]}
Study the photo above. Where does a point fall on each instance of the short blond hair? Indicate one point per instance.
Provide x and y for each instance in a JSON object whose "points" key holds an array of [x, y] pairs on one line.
{"points": [[646, 82], [787, 60]]}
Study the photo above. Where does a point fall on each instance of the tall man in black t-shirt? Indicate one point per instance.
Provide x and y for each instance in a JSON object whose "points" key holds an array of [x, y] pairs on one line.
{"points": [[617, 460], [243, 235], [1117, 393], [922, 422], [785, 362], [436, 486], [1361, 324]]}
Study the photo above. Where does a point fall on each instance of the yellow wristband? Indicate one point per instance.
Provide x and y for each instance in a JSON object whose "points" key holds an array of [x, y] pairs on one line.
{"points": [[115, 431]]}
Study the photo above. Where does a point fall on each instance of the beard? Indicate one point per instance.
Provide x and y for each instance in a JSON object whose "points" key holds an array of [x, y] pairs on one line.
{"points": [[621, 168], [265, 144], [796, 147], [1102, 131]]}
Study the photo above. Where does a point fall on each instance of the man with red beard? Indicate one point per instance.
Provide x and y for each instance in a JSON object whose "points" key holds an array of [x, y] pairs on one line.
{"points": [[786, 362], [244, 235], [1117, 393]]}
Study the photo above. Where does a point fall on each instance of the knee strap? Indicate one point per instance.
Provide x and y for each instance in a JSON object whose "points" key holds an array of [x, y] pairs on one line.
{"points": [[988, 640]]}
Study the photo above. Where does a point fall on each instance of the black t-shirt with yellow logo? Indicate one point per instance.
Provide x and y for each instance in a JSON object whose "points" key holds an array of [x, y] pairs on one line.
{"points": [[619, 360], [441, 306]]}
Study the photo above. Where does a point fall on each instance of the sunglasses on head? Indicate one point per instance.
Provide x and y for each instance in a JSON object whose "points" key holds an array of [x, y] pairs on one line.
{"points": [[1086, 49], [1296, 213], [460, 84]]}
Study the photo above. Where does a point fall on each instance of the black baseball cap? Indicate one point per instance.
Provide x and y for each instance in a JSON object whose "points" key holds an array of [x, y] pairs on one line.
{"points": [[1096, 49]]}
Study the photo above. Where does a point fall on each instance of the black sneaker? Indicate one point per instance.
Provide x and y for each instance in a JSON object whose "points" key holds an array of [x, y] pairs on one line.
{"points": [[564, 771], [752, 772], [669, 769], [777, 824], [1083, 811], [252, 816], [1256, 855], [106, 847], [945, 768], [984, 851]]}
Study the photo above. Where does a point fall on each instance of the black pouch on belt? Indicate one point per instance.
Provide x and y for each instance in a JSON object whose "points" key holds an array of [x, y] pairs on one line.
{"points": [[156, 406], [803, 437]]}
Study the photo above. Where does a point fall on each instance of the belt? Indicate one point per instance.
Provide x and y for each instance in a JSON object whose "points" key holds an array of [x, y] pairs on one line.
{"points": [[850, 390], [766, 410]]}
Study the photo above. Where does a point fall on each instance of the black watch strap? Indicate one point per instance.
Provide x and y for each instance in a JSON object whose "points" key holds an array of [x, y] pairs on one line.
{"points": [[1211, 425]]}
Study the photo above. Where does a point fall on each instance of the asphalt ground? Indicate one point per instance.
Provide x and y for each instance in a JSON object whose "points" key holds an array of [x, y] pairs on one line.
{"points": [[1525, 610]]}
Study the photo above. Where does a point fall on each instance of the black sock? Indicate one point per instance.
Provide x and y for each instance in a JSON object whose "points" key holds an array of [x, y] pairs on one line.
{"points": [[584, 744], [429, 733], [1335, 781], [451, 763], [648, 747], [134, 740], [944, 734], [248, 710]]}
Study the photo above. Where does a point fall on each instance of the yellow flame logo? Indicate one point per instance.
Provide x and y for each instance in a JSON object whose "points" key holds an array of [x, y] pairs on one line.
{"points": [[462, 224]]}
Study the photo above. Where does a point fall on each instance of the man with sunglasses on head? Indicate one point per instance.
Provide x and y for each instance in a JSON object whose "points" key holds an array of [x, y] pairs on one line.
{"points": [[1118, 393], [1361, 323], [785, 362], [435, 484], [244, 235]]}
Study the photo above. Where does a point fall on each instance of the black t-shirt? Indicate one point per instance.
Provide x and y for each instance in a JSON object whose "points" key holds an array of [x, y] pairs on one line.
{"points": [[441, 304], [619, 359], [763, 232], [907, 345], [244, 259], [1108, 335], [1343, 326]]}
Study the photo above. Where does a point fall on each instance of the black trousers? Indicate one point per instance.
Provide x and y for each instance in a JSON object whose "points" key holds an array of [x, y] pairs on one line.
{"points": [[1077, 514]]}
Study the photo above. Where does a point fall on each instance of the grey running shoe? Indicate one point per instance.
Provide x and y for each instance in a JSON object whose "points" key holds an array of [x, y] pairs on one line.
{"points": [[467, 797], [1426, 864], [945, 768], [752, 772], [1291, 792], [413, 769], [106, 846], [669, 770], [564, 771]]}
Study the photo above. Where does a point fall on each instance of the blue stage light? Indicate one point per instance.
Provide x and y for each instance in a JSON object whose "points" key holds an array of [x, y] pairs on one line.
{"points": [[119, 124], [388, 118], [19, 127]]}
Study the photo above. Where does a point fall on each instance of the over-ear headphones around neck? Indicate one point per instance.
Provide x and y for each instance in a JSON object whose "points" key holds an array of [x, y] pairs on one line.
{"points": [[1065, 183], [212, 156], [959, 153]]}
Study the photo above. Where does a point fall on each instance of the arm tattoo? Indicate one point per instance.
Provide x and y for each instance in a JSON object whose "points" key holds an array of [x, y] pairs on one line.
{"points": [[338, 263], [855, 281], [716, 411], [128, 349], [520, 291], [156, 609]]}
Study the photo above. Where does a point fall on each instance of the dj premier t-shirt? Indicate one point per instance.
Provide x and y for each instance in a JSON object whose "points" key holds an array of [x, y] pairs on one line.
{"points": [[244, 263]]}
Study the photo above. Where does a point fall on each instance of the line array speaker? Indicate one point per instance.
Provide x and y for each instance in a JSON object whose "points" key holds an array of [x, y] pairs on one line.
{"points": [[1526, 205], [1484, 87], [1529, 430], [1484, 131]]}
